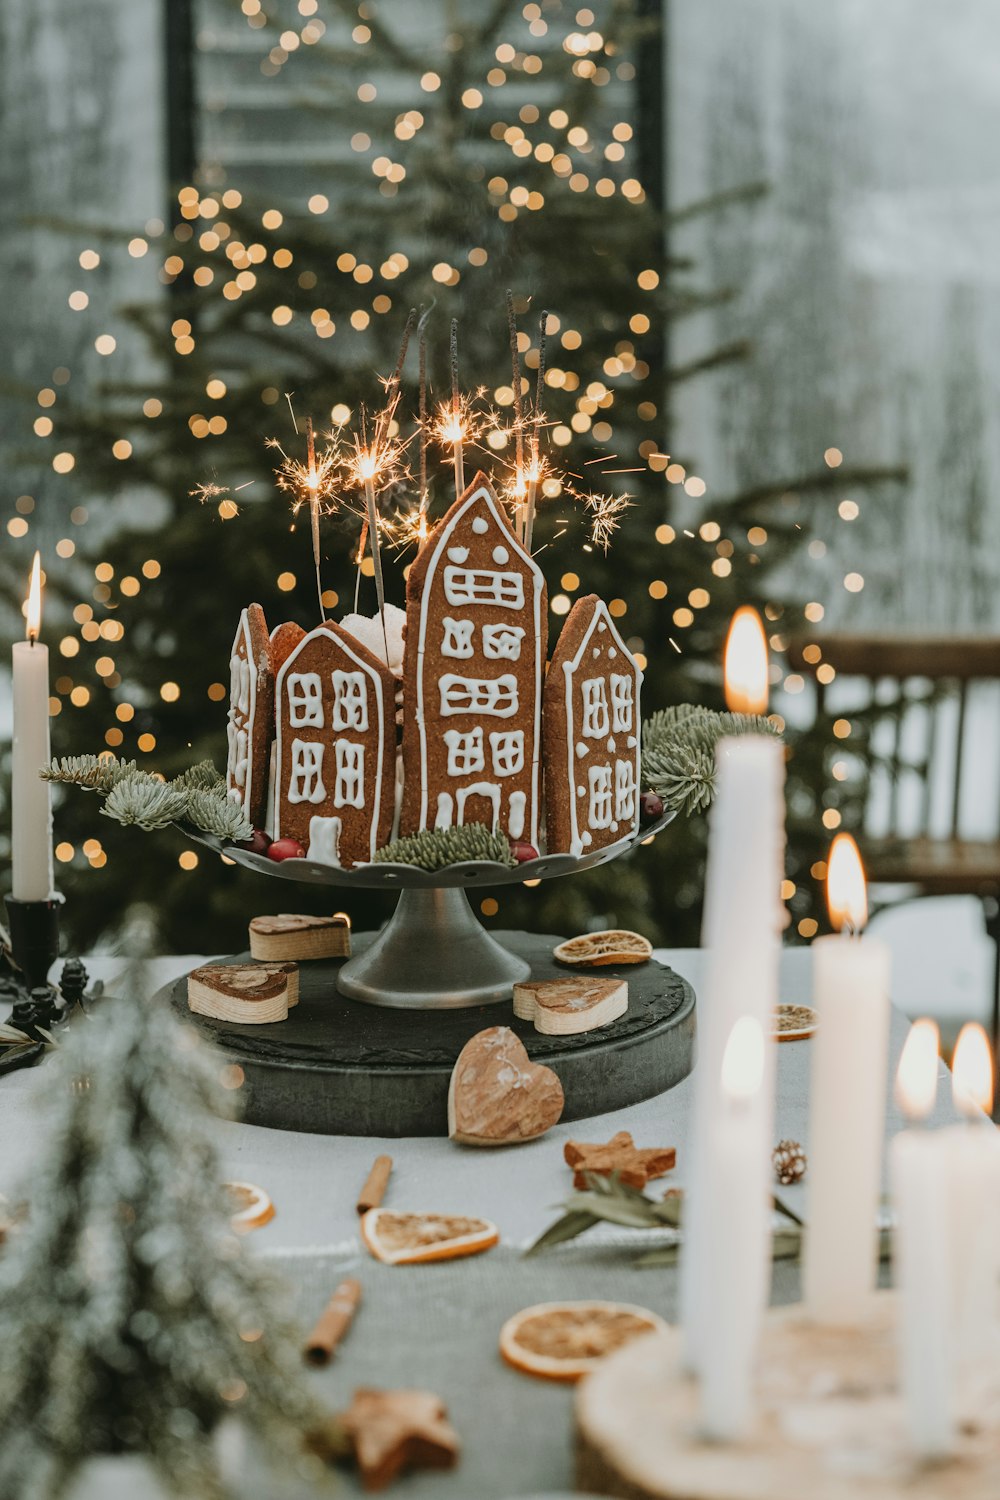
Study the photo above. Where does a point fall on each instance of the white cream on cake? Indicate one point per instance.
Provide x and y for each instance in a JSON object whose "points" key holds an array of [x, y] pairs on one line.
{"points": [[368, 630]]}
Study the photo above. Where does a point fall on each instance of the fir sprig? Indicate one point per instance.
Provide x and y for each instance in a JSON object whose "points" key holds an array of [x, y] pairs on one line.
{"points": [[215, 814], [678, 751], [435, 848], [94, 773], [203, 777], [144, 801]]}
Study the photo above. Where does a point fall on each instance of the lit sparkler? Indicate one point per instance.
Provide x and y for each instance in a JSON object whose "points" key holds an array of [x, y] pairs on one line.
{"points": [[606, 512]]}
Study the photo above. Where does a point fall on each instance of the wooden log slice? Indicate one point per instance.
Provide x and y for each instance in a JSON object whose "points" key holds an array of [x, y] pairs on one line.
{"points": [[300, 938], [829, 1423]]}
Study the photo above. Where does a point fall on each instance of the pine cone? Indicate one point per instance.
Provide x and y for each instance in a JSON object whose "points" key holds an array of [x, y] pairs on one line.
{"points": [[790, 1162]]}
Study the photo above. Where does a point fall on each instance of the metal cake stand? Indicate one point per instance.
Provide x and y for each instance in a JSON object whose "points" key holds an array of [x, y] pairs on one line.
{"points": [[434, 953]]}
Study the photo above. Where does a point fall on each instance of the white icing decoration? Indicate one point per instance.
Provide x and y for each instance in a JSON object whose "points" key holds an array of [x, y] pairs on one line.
{"points": [[305, 700], [324, 841], [510, 594], [501, 555], [515, 821], [496, 696], [582, 749], [240, 764], [612, 653], [349, 787], [457, 638], [350, 701], [581, 791], [486, 789], [599, 811], [242, 710], [622, 707], [271, 806], [506, 751], [624, 790], [596, 719], [465, 751], [586, 838], [458, 554], [397, 801], [444, 810], [306, 781], [290, 759], [240, 684], [483, 586], [502, 642], [611, 746], [601, 621]]}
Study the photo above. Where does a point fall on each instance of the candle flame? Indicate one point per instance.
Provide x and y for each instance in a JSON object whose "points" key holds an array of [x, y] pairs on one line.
{"points": [[33, 608], [972, 1072], [916, 1077], [746, 664], [743, 1060], [846, 891]]}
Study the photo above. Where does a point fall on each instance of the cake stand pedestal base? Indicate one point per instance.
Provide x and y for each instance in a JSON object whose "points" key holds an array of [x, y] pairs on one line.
{"points": [[337, 1066], [433, 954]]}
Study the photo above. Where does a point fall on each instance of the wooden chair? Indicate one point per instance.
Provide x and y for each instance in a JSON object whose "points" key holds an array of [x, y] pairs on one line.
{"points": [[913, 714]]}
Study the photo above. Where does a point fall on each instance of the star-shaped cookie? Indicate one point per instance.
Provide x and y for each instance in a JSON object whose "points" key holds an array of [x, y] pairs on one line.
{"points": [[395, 1430], [634, 1167]]}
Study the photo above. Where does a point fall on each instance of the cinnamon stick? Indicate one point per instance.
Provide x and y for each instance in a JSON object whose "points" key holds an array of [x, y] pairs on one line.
{"points": [[333, 1323], [373, 1192]]}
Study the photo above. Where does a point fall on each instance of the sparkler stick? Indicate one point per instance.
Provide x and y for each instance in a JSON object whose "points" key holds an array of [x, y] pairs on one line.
{"points": [[533, 471], [515, 364], [457, 433], [368, 465], [313, 482], [423, 429]]}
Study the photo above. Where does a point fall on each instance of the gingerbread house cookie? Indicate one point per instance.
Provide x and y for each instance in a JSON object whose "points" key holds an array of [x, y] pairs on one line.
{"points": [[251, 715], [335, 756], [591, 734], [472, 674]]}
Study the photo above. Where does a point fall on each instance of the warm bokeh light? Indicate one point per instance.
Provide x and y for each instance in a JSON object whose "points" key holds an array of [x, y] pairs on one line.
{"points": [[916, 1077], [846, 889], [743, 1060], [746, 663], [972, 1072]]}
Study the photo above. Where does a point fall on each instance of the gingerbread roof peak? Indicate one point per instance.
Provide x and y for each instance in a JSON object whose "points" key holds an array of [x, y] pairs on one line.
{"points": [[595, 606], [349, 643], [478, 498]]}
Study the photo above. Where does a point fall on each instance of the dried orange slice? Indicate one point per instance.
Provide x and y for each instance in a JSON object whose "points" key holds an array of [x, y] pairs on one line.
{"points": [[249, 1206], [793, 1023], [401, 1239], [616, 947], [565, 1340]]}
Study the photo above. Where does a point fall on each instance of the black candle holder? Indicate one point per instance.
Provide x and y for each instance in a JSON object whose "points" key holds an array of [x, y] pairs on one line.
{"points": [[34, 943]]}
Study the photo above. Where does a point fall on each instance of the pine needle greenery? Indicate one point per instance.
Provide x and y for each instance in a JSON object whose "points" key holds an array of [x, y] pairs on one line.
{"points": [[94, 773], [216, 814], [437, 847], [137, 798], [144, 801], [678, 752], [130, 1317], [203, 777]]}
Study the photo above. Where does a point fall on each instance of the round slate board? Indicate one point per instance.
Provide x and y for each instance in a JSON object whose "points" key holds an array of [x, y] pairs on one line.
{"points": [[339, 1067]]}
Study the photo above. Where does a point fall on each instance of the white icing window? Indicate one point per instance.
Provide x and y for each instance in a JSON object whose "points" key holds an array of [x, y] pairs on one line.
{"points": [[487, 789], [507, 752], [621, 702], [306, 781], [624, 791], [599, 814], [457, 639], [350, 701], [483, 586], [595, 708], [305, 700], [349, 788], [480, 695], [324, 841], [502, 642], [465, 751]]}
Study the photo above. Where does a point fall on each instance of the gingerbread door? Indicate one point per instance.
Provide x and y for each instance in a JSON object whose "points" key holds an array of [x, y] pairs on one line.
{"points": [[335, 759], [472, 674], [591, 734]]}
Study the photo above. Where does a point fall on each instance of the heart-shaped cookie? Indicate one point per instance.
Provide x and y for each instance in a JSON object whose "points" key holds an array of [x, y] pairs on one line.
{"points": [[497, 1095]]}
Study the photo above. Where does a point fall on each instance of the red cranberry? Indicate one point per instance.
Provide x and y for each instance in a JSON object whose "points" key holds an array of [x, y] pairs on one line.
{"points": [[523, 851], [650, 807], [259, 842], [285, 849]]}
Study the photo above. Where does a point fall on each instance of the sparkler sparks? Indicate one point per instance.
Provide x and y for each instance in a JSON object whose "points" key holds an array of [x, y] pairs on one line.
{"points": [[606, 512]]}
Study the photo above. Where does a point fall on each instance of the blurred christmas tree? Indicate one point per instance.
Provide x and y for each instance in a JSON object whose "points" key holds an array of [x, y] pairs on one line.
{"points": [[476, 164]]}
